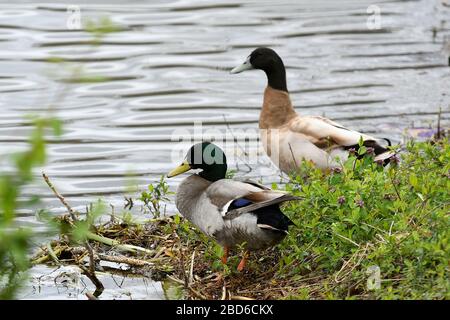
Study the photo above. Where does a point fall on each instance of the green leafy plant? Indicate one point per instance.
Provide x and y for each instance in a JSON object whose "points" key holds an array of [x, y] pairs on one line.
{"points": [[101, 27], [155, 196], [15, 241], [366, 217], [230, 174]]}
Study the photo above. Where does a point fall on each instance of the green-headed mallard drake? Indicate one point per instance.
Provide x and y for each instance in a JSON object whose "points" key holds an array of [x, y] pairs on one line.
{"points": [[229, 211], [313, 138]]}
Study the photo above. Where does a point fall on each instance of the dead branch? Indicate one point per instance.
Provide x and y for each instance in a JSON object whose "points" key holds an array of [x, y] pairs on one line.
{"points": [[60, 197], [123, 259]]}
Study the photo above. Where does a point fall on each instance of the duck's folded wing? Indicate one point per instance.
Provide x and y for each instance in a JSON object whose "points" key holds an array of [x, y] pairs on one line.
{"points": [[327, 134], [253, 206], [322, 131], [223, 191], [256, 184], [234, 198]]}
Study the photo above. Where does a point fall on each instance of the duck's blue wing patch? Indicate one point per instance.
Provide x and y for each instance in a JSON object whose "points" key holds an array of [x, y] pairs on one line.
{"points": [[239, 203]]}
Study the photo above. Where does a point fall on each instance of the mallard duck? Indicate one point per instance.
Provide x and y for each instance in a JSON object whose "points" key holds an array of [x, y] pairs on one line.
{"points": [[231, 212], [288, 137]]}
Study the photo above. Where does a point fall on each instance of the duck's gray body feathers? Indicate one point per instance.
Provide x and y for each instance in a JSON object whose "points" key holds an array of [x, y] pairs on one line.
{"points": [[206, 204]]}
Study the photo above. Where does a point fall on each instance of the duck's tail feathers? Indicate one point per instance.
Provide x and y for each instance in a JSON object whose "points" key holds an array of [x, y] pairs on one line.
{"points": [[385, 156], [271, 218], [272, 228]]}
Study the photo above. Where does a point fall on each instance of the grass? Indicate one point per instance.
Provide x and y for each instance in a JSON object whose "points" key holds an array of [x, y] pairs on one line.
{"points": [[363, 232]]}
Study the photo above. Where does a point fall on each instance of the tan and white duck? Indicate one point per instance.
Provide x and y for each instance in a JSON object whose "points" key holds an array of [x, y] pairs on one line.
{"points": [[288, 137], [231, 212]]}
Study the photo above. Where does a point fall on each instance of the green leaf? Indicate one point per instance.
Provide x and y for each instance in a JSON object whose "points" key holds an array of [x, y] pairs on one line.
{"points": [[56, 126], [362, 150], [413, 180]]}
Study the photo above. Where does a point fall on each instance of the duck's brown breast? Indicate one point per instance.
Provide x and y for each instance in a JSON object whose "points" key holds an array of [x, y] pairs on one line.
{"points": [[277, 109]]}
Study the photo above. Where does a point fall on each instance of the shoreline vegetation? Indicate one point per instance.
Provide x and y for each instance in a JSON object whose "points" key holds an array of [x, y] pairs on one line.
{"points": [[362, 232]]}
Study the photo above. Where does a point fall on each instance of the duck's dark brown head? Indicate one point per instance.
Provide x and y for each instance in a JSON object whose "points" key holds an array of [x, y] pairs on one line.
{"points": [[270, 62]]}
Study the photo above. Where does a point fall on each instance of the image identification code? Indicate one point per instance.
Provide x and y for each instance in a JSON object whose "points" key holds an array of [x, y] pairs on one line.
{"points": [[226, 309]]}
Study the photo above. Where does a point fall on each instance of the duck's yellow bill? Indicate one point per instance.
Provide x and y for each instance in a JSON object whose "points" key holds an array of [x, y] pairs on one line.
{"points": [[180, 169]]}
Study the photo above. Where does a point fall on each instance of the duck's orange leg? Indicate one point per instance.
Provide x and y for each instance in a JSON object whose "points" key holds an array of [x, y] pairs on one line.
{"points": [[226, 251], [241, 265]]}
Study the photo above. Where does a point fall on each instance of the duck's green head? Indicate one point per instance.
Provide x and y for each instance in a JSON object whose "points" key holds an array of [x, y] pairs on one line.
{"points": [[205, 156]]}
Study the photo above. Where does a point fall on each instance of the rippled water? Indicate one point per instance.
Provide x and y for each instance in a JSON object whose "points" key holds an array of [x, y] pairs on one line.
{"points": [[169, 67]]}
